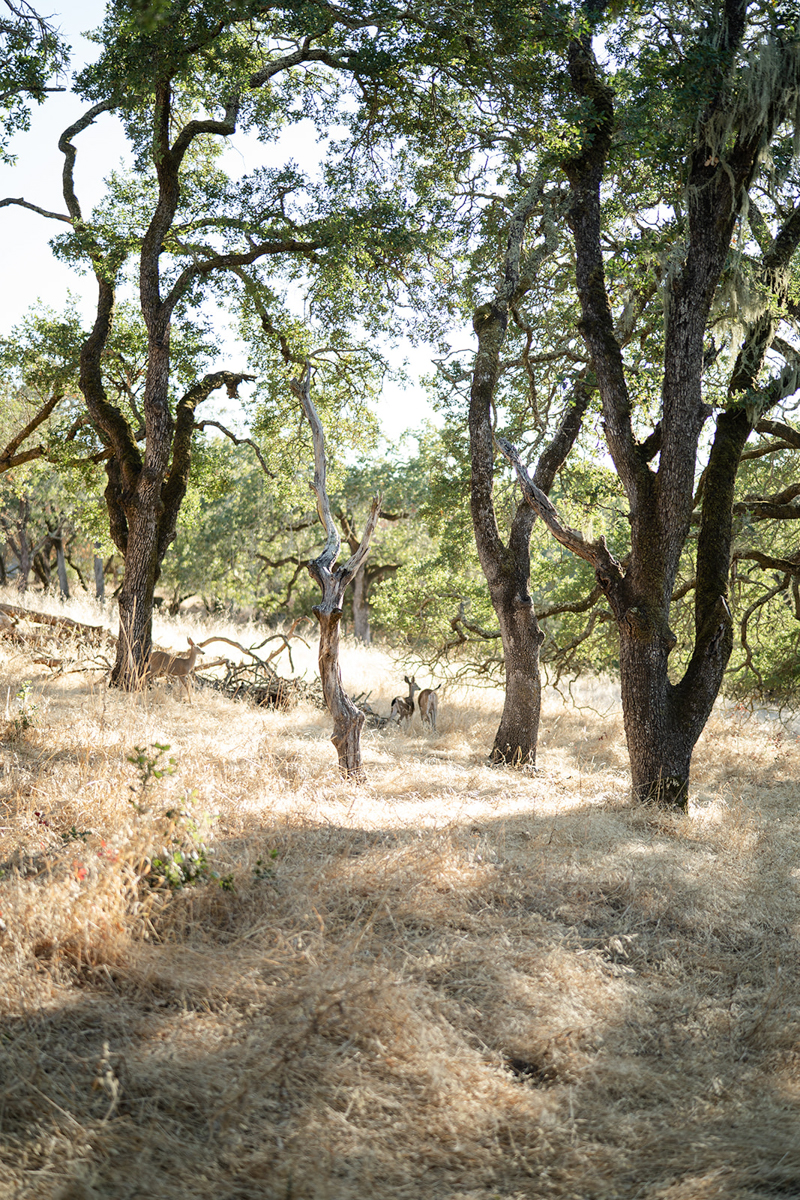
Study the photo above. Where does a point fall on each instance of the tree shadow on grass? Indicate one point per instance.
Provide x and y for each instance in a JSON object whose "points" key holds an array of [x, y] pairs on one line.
{"points": [[589, 1002]]}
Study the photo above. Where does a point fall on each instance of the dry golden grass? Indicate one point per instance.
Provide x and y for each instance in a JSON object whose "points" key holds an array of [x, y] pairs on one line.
{"points": [[452, 982]]}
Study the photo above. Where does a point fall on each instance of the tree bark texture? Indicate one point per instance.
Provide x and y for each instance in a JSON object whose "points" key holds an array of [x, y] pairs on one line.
{"points": [[507, 573], [361, 627], [507, 566], [63, 584], [99, 579], [23, 546], [348, 720], [517, 734], [144, 491], [662, 720]]}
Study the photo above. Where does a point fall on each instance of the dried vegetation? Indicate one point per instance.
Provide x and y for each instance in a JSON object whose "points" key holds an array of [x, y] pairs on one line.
{"points": [[251, 979]]}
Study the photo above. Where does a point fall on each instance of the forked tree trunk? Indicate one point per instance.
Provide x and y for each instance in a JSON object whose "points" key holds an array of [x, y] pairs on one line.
{"points": [[348, 720], [507, 566], [146, 486], [143, 495], [663, 720], [361, 627]]}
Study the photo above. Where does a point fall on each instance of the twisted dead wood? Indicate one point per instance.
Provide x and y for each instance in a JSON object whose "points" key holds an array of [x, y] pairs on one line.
{"points": [[348, 720]]}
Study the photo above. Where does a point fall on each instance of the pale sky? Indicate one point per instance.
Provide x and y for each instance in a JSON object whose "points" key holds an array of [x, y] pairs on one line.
{"points": [[31, 273]]}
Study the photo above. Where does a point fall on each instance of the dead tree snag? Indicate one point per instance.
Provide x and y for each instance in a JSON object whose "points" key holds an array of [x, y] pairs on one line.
{"points": [[348, 720]]}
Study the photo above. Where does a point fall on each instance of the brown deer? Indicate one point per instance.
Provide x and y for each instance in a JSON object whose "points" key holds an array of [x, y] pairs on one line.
{"points": [[174, 666], [403, 706], [429, 706]]}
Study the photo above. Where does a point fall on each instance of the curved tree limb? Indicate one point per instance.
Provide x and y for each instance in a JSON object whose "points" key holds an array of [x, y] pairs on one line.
{"points": [[230, 262], [768, 510], [237, 441], [607, 569], [585, 173], [790, 566], [9, 457], [744, 624], [780, 429], [574, 606], [68, 150], [43, 212], [177, 479]]}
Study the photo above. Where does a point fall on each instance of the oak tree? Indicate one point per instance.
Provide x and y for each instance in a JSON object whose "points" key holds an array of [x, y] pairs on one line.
{"points": [[180, 86], [691, 120]]}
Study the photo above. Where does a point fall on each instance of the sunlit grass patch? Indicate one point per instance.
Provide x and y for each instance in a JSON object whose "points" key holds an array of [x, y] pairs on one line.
{"points": [[453, 980]]}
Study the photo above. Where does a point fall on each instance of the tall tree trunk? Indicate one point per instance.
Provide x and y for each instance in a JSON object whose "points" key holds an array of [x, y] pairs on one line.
{"points": [[663, 721], [146, 513], [517, 735], [24, 546], [361, 627], [99, 577], [136, 603], [61, 566], [506, 572], [659, 744], [507, 567]]}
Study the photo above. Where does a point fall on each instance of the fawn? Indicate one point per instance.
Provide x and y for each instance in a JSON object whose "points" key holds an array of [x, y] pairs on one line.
{"points": [[403, 706], [174, 666]]}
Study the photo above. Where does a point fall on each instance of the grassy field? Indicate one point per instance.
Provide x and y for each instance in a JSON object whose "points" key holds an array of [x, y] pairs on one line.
{"points": [[449, 983]]}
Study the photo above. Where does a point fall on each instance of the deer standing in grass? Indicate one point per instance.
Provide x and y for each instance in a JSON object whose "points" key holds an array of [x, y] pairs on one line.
{"points": [[403, 706], [429, 705], [174, 666]]}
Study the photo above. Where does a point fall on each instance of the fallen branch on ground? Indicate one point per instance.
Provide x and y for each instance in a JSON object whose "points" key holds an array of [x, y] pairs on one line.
{"points": [[41, 618]]}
